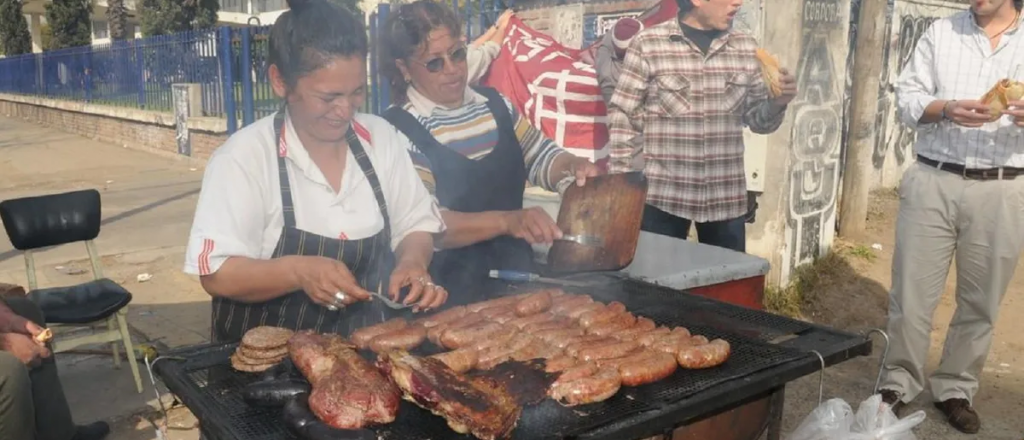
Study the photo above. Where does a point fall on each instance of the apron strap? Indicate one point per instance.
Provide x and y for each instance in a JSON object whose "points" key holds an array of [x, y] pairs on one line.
{"points": [[496, 104], [371, 175], [287, 205], [406, 123]]}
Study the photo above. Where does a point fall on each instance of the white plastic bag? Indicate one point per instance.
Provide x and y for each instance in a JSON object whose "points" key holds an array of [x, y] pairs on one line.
{"points": [[834, 420]]}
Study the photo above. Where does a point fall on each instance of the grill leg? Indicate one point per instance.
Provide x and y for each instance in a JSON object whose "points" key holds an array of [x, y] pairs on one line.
{"points": [[775, 417]]}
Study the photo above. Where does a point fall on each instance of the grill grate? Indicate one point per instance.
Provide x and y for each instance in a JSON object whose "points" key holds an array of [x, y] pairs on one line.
{"points": [[211, 388]]}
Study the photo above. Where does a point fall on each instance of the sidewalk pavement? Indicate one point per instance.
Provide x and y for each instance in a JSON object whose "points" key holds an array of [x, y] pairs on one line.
{"points": [[148, 203]]}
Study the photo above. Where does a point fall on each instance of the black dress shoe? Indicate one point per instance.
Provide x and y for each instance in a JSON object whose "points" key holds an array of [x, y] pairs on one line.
{"points": [[960, 415], [893, 399], [92, 431]]}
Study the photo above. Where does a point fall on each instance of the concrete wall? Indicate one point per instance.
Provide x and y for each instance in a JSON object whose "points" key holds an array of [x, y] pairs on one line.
{"points": [[137, 129], [894, 145]]}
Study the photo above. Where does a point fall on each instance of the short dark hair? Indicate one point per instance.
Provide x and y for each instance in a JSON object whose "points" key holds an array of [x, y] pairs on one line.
{"points": [[405, 32], [310, 34], [1019, 4], [685, 6]]}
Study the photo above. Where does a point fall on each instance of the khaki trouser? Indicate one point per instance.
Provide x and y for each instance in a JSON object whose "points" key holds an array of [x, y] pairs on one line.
{"points": [[32, 403], [943, 215]]}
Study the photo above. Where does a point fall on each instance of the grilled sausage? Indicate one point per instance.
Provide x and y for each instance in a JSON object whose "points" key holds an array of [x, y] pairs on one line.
{"points": [[403, 339], [491, 312], [578, 371], [526, 320], [536, 350], [575, 348], [460, 361], [594, 388], [498, 338], [504, 318], [495, 355], [708, 355], [578, 311], [559, 363], [616, 324], [361, 337], [612, 350], [434, 333], [563, 304], [595, 316], [441, 317], [274, 393], [556, 292], [503, 301], [649, 338], [674, 342], [555, 335], [459, 337], [555, 323], [642, 326], [534, 304], [647, 369], [583, 339]]}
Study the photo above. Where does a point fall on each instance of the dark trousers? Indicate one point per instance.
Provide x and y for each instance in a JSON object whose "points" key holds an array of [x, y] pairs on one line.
{"points": [[32, 402], [729, 234]]}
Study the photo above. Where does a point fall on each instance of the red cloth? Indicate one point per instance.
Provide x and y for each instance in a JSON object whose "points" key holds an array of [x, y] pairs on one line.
{"points": [[556, 88]]}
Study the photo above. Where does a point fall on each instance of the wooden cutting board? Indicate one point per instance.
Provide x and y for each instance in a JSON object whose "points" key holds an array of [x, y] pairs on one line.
{"points": [[609, 206]]}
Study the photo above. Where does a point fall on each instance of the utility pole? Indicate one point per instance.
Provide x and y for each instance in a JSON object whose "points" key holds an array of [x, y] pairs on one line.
{"points": [[867, 68]]}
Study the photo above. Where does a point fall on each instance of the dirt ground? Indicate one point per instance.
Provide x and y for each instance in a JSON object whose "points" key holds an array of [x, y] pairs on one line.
{"points": [[851, 292]]}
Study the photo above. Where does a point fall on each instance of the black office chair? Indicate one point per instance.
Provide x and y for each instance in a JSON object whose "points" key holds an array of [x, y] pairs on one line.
{"points": [[37, 222]]}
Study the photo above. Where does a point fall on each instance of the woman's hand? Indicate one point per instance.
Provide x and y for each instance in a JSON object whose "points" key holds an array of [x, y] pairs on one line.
{"points": [[29, 351], [324, 278], [533, 225], [422, 290]]}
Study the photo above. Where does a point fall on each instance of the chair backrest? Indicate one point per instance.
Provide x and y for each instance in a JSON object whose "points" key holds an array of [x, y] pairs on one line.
{"points": [[51, 220]]}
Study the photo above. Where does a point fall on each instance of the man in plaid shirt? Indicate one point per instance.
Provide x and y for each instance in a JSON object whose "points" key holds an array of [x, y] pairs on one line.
{"points": [[689, 86]]}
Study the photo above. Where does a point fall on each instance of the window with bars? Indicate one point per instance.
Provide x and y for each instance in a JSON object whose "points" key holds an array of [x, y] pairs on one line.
{"points": [[234, 6], [100, 30]]}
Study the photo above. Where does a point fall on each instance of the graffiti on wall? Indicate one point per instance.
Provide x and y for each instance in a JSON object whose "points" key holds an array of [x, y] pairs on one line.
{"points": [[179, 93], [817, 128], [910, 19]]}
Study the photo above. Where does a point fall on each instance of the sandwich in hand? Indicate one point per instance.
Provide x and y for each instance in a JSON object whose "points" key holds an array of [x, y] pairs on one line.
{"points": [[1000, 95], [770, 72]]}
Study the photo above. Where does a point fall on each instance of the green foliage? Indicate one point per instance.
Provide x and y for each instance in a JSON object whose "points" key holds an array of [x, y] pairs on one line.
{"points": [[117, 17], [46, 37], [163, 17], [15, 38], [70, 23]]}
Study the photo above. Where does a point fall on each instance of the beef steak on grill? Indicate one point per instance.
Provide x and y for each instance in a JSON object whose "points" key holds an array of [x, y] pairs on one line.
{"points": [[473, 405], [348, 392]]}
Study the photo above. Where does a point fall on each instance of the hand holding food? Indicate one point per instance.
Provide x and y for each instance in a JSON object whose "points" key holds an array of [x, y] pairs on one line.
{"points": [[328, 282], [968, 113], [1000, 96], [781, 85], [1016, 111]]}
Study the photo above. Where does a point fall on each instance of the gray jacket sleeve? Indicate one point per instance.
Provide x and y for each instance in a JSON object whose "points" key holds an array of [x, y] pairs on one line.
{"points": [[607, 71]]}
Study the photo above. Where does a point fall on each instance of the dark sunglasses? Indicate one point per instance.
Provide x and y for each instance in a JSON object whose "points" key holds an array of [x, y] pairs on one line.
{"points": [[437, 64]]}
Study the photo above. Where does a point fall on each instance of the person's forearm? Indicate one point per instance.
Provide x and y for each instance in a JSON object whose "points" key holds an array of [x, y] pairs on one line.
{"points": [[487, 36], [252, 281], [933, 112], [562, 167], [466, 228], [417, 248]]}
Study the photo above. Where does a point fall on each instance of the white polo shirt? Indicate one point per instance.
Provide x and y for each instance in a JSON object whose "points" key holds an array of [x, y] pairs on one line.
{"points": [[240, 210]]}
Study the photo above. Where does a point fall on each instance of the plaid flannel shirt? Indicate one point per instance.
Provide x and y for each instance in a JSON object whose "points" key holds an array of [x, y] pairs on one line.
{"points": [[690, 110]]}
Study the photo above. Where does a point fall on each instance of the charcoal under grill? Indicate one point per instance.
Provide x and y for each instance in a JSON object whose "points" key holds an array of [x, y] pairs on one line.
{"points": [[208, 385]]}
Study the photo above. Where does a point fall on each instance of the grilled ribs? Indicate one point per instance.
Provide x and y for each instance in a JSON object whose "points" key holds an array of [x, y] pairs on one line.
{"points": [[348, 391], [471, 405]]}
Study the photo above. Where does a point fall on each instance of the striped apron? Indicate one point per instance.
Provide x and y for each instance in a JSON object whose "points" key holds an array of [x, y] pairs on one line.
{"points": [[369, 259]]}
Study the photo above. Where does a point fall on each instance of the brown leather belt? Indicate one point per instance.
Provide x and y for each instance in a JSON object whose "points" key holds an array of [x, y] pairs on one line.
{"points": [[1004, 173]]}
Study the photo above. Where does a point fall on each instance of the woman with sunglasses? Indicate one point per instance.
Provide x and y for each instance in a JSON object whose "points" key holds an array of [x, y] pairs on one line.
{"points": [[304, 213], [473, 150]]}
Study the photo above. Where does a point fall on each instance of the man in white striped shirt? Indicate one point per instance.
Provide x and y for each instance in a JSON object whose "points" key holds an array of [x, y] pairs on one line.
{"points": [[964, 197]]}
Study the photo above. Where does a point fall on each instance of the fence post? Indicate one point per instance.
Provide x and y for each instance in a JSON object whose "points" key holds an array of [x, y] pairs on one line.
{"points": [[88, 74], [384, 99], [227, 79], [245, 64], [140, 63]]}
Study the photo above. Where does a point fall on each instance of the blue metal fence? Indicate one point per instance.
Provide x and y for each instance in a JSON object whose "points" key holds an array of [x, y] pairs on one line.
{"points": [[139, 73]]}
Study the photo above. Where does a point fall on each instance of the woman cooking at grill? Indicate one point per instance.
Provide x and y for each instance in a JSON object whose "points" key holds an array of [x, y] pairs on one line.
{"points": [[304, 212], [472, 150]]}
